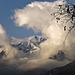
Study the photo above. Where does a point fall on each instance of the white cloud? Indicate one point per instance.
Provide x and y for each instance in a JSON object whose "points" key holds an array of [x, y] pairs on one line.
{"points": [[37, 16]]}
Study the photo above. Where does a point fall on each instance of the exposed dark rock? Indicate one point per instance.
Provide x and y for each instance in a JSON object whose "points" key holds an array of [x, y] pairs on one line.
{"points": [[1, 54], [59, 56]]}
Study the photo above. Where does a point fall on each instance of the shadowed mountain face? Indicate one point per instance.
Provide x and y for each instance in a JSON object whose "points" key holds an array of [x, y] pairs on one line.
{"points": [[59, 56], [65, 70]]}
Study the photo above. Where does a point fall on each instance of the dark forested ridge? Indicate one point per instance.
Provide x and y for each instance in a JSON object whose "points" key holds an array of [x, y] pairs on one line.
{"points": [[65, 70]]}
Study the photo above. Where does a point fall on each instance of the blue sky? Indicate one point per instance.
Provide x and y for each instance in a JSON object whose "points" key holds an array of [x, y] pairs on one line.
{"points": [[6, 10]]}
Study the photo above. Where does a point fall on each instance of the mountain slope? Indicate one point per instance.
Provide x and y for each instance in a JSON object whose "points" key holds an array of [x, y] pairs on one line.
{"points": [[65, 70]]}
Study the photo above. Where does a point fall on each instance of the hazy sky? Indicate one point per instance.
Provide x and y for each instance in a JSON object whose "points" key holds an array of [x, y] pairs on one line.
{"points": [[6, 10]]}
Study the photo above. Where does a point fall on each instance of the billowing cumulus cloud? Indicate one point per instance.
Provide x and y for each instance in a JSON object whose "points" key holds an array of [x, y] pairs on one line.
{"points": [[37, 16], [3, 36]]}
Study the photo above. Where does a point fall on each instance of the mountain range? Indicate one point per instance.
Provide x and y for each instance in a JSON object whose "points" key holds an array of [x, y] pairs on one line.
{"points": [[27, 45], [31, 45]]}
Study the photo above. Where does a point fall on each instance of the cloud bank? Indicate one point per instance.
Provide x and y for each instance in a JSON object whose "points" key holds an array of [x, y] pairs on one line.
{"points": [[37, 16]]}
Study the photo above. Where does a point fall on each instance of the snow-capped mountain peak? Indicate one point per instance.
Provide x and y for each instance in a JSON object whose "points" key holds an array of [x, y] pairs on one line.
{"points": [[29, 45]]}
